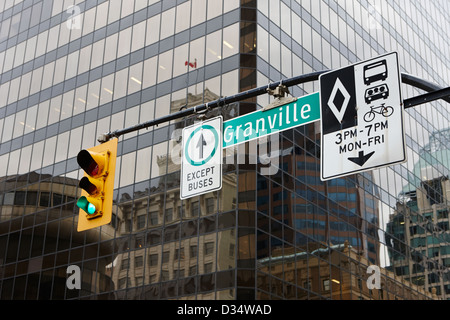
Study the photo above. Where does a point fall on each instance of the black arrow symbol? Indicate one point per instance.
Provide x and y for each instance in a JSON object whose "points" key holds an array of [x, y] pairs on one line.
{"points": [[200, 144], [361, 159]]}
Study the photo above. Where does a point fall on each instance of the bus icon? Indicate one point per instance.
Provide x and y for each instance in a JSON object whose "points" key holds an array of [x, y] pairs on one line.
{"points": [[375, 71]]}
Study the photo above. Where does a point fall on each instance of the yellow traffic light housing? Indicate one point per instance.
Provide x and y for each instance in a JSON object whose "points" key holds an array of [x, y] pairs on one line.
{"points": [[95, 203]]}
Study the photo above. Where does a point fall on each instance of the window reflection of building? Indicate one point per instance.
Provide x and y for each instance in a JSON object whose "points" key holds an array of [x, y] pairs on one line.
{"points": [[39, 210], [418, 233], [174, 243]]}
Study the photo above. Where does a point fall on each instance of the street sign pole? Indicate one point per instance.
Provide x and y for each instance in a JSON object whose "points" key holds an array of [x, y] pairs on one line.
{"points": [[305, 78]]}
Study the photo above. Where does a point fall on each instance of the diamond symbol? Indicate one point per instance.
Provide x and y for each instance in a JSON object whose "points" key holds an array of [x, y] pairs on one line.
{"points": [[339, 87]]}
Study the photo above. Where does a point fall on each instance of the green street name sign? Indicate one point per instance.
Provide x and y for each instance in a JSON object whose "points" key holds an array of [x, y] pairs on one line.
{"points": [[260, 123]]}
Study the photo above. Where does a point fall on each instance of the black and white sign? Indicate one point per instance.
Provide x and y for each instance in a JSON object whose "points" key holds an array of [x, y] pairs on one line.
{"points": [[361, 117], [201, 166]]}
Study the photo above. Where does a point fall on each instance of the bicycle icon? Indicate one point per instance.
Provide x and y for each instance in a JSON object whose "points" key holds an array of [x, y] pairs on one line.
{"points": [[385, 111]]}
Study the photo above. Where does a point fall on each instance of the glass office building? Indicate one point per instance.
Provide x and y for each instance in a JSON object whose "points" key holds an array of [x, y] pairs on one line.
{"points": [[74, 69]]}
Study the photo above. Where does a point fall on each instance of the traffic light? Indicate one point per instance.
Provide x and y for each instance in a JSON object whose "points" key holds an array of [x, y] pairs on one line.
{"points": [[95, 203]]}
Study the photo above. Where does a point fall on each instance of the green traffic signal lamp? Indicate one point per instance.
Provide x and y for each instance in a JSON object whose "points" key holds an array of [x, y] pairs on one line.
{"points": [[90, 205]]}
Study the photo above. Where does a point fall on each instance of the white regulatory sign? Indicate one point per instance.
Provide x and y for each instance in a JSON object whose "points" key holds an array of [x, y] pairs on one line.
{"points": [[361, 117], [201, 166]]}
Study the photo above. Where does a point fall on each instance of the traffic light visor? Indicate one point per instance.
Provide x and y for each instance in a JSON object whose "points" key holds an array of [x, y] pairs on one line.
{"points": [[91, 162], [92, 187]]}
